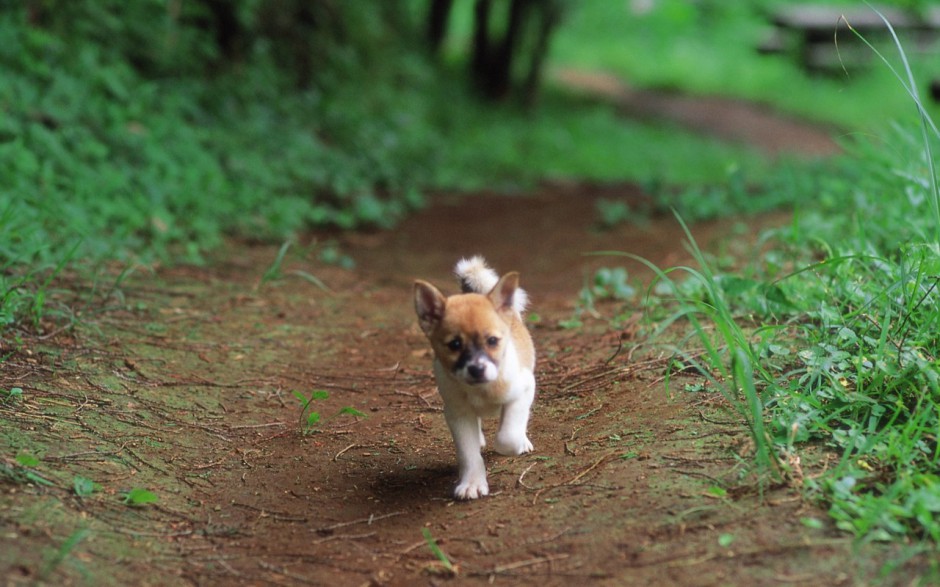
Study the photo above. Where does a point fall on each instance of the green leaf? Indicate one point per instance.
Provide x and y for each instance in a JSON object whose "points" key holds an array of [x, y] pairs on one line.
{"points": [[352, 412], [26, 460], [83, 486], [139, 497], [814, 523], [716, 491]]}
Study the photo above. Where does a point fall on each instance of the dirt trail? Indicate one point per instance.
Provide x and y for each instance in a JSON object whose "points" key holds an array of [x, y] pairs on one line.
{"points": [[185, 387]]}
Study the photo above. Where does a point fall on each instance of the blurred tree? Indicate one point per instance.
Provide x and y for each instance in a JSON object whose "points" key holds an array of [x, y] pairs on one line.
{"points": [[438, 16], [509, 44]]}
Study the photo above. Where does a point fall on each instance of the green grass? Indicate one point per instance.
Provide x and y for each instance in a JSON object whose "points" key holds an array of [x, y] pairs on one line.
{"points": [[826, 343]]}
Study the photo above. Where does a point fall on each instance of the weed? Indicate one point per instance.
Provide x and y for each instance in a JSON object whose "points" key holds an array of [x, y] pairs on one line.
{"points": [[444, 560], [606, 284], [12, 394], [309, 420], [275, 271], [612, 213], [332, 255]]}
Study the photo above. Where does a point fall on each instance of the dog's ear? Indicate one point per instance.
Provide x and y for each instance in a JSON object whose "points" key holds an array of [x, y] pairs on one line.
{"points": [[429, 305], [504, 294]]}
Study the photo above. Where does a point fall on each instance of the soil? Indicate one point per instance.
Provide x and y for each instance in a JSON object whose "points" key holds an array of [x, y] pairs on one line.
{"points": [[185, 382]]}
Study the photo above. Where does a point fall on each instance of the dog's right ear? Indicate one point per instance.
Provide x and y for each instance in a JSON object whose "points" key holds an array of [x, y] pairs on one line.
{"points": [[429, 305]]}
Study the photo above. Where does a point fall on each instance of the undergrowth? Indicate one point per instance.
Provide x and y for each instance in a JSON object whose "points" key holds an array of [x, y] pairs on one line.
{"points": [[132, 139]]}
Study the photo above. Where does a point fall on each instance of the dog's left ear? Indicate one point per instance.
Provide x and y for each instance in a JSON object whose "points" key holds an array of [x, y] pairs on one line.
{"points": [[504, 294], [429, 305]]}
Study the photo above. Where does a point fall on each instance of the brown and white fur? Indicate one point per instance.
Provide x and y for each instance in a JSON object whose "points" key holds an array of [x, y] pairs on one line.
{"points": [[484, 363]]}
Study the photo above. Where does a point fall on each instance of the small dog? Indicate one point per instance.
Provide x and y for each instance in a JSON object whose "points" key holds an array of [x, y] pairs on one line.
{"points": [[484, 364]]}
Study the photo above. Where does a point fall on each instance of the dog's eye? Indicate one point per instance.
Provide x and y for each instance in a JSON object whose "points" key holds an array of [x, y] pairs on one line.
{"points": [[455, 345], [492, 341]]}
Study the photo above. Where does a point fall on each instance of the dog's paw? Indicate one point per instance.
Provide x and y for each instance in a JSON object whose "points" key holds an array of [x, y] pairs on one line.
{"points": [[472, 488], [512, 447]]}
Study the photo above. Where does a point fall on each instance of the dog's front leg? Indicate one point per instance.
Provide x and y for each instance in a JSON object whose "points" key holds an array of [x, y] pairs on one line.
{"points": [[465, 428], [511, 439]]}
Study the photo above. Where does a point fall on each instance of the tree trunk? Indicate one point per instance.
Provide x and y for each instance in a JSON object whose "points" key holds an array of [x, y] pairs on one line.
{"points": [[481, 41], [438, 15], [549, 19]]}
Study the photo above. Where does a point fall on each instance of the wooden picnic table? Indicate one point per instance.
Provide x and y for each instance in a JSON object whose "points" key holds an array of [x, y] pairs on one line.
{"points": [[814, 30]]}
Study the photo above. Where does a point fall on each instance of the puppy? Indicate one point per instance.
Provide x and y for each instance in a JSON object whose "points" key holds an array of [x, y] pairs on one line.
{"points": [[484, 363]]}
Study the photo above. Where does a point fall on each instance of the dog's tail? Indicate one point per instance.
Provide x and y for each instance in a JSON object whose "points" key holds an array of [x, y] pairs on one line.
{"points": [[477, 277]]}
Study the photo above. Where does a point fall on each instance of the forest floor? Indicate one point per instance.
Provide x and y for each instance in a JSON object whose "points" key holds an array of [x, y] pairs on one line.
{"points": [[181, 382]]}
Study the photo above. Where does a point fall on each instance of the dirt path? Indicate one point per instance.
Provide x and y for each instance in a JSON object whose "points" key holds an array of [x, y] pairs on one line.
{"points": [[732, 120], [185, 387]]}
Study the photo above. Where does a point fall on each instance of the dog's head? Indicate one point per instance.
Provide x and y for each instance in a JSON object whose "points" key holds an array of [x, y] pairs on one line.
{"points": [[468, 332]]}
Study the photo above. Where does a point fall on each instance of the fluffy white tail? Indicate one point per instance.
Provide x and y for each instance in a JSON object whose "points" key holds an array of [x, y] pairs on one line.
{"points": [[477, 277]]}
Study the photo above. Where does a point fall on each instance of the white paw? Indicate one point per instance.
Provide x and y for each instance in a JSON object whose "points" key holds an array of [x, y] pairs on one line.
{"points": [[472, 488], [512, 447]]}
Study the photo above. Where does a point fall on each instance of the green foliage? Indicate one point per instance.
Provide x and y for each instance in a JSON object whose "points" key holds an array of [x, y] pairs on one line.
{"points": [[11, 394], [830, 337], [120, 145], [136, 134], [27, 460], [566, 137], [606, 284], [21, 470]]}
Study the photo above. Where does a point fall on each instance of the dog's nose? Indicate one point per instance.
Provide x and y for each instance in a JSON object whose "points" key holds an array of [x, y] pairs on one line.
{"points": [[476, 371]]}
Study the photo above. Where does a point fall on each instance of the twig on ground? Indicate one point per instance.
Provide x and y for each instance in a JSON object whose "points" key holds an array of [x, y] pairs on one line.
{"points": [[286, 573], [340, 453], [368, 520], [520, 481], [500, 569]]}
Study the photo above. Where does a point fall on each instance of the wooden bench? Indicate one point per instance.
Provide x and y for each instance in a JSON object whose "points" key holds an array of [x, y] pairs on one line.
{"points": [[821, 38]]}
